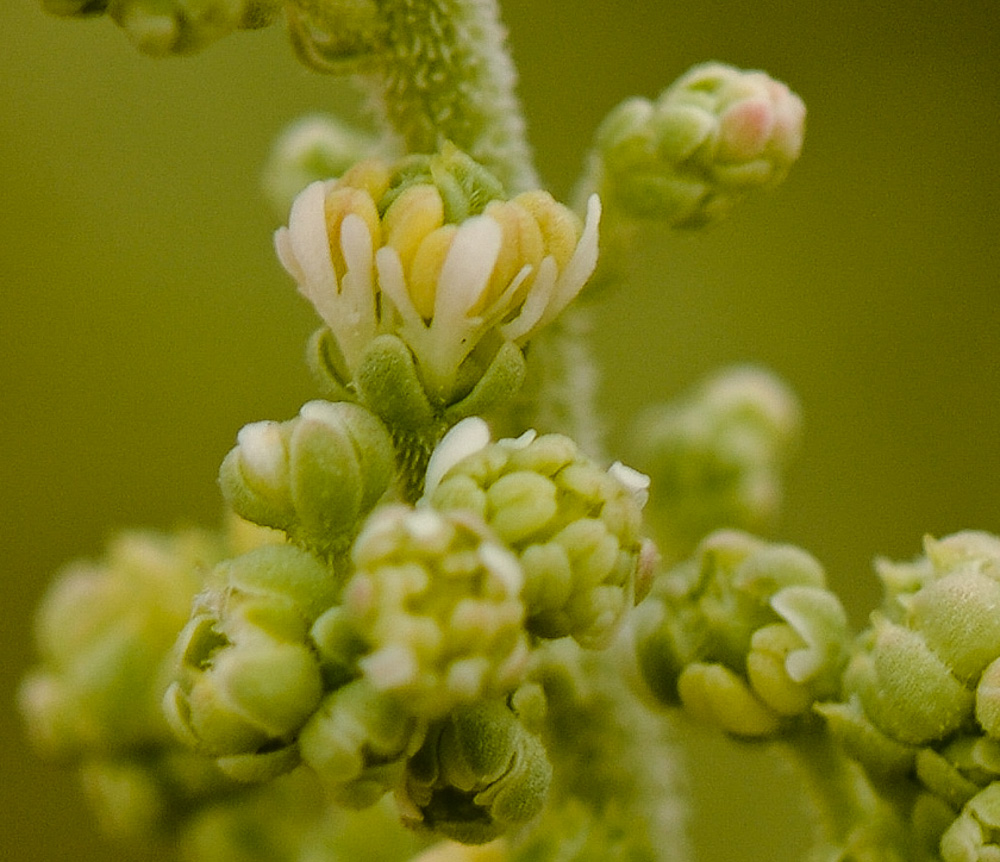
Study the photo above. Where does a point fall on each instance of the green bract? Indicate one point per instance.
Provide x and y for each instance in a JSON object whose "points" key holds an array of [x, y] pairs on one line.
{"points": [[478, 774]]}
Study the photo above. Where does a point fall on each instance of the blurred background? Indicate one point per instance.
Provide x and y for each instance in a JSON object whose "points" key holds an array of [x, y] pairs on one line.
{"points": [[144, 319]]}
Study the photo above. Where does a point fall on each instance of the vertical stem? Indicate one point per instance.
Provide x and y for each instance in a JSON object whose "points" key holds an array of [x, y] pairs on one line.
{"points": [[447, 76]]}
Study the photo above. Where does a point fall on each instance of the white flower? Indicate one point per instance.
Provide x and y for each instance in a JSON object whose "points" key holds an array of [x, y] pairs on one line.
{"points": [[440, 286]]}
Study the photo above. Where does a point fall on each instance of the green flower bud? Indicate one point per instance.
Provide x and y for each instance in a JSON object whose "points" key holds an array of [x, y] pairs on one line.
{"points": [[710, 138], [716, 456], [315, 477], [313, 147], [338, 36], [161, 27], [745, 635], [975, 834], [357, 742], [478, 774], [248, 676], [104, 632], [904, 688], [574, 526], [436, 599]]}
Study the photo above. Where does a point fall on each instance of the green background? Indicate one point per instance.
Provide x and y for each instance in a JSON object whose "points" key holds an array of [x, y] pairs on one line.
{"points": [[144, 319]]}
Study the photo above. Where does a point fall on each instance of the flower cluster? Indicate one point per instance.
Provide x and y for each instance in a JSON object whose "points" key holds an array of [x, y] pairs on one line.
{"points": [[688, 158], [428, 250], [922, 688], [745, 635], [574, 527]]}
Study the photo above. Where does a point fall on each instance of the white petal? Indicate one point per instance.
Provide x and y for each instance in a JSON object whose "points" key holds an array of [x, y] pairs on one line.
{"points": [[537, 301], [463, 439], [356, 326], [636, 483], [466, 270], [393, 285], [580, 267], [308, 243]]}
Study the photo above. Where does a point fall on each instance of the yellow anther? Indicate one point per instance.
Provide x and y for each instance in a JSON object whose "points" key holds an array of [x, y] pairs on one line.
{"points": [[410, 218], [371, 175], [559, 225], [426, 268], [522, 244]]}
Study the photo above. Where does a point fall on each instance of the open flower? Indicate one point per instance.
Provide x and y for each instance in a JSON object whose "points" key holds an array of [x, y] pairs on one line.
{"points": [[436, 258]]}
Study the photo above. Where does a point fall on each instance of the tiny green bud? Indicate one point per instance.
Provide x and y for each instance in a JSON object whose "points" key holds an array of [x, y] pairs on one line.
{"points": [[339, 36], [313, 147], [975, 834], [357, 742], [436, 599], [104, 632], [478, 774], [905, 688], [744, 635], [174, 26]]}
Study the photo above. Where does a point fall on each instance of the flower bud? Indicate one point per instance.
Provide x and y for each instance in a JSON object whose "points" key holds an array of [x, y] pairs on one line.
{"points": [[436, 599], [689, 157], [315, 477], [248, 676], [574, 526], [313, 147], [975, 834], [478, 774], [716, 456], [357, 742], [745, 635]]}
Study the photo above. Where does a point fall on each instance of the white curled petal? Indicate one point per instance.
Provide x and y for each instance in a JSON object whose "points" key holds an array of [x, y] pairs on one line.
{"points": [[356, 326], [392, 283], [535, 304], [305, 242], [463, 439], [636, 483], [580, 267], [467, 269]]}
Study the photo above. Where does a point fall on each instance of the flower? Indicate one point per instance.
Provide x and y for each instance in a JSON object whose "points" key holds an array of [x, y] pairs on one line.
{"points": [[436, 257]]}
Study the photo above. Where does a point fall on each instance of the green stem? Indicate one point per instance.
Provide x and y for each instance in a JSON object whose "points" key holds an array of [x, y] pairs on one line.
{"points": [[853, 821], [447, 76]]}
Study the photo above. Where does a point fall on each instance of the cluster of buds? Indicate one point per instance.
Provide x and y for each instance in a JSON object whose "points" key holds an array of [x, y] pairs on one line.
{"points": [[104, 632], [423, 272], [922, 688], [436, 598], [574, 526], [744, 635], [315, 477], [174, 26], [688, 158], [716, 456]]}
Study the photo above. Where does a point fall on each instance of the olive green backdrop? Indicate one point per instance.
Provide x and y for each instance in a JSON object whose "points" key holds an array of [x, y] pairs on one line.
{"points": [[143, 318]]}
